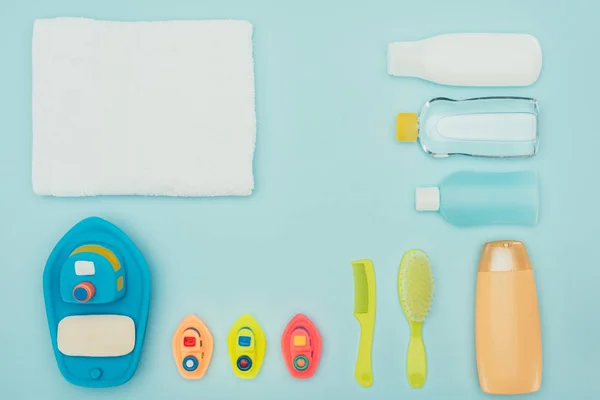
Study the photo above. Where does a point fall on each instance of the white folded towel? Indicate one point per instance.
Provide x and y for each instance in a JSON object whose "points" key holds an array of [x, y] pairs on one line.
{"points": [[146, 108]]}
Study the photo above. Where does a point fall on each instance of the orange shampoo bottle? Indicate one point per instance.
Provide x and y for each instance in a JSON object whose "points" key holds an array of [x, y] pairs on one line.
{"points": [[507, 324]]}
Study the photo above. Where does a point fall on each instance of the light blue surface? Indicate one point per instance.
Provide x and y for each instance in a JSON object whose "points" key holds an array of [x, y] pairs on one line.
{"points": [[483, 127], [333, 185], [468, 198]]}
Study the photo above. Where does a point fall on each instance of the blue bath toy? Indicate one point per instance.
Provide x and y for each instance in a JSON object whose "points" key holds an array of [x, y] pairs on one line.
{"points": [[97, 295]]}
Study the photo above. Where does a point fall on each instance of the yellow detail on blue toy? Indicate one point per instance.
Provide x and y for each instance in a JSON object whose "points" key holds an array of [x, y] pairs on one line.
{"points": [[103, 251], [247, 346], [92, 274]]}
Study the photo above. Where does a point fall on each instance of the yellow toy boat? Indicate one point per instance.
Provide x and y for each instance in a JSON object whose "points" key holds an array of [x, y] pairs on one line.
{"points": [[247, 346]]}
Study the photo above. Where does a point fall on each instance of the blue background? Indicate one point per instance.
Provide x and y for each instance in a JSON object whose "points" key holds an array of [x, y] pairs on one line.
{"points": [[332, 185]]}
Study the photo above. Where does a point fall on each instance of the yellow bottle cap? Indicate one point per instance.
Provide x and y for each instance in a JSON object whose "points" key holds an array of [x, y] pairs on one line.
{"points": [[407, 127]]}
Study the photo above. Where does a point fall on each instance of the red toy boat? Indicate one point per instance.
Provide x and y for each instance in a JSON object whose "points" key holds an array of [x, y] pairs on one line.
{"points": [[301, 347]]}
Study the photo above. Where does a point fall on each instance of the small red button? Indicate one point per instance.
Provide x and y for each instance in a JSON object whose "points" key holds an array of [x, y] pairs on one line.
{"points": [[244, 363], [189, 341]]}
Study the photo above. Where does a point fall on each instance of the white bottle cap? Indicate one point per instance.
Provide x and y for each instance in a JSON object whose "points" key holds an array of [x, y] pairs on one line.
{"points": [[427, 198]]}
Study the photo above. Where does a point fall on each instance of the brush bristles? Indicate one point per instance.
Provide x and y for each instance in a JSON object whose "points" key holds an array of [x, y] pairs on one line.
{"points": [[416, 285], [361, 289]]}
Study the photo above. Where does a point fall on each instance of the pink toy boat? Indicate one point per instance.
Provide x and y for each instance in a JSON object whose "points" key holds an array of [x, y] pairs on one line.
{"points": [[301, 347]]}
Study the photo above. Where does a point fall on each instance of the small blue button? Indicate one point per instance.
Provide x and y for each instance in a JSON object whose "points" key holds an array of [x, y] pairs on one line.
{"points": [[80, 294], [96, 373], [190, 363], [244, 341]]}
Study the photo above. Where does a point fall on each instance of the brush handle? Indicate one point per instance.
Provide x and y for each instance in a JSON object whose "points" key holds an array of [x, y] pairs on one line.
{"points": [[364, 369], [416, 359]]}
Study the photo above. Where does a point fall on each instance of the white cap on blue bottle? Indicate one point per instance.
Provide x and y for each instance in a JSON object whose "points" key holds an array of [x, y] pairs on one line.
{"points": [[427, 198]]}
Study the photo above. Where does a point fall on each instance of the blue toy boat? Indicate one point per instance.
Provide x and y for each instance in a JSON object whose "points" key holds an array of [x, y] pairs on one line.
{"points": [[97, 295]]}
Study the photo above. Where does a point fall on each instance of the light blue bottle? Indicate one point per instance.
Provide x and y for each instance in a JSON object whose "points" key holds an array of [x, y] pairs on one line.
{"points": [[482, 127], [483, 198]]}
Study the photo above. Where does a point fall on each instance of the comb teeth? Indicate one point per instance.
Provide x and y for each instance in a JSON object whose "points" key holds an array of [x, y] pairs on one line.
{"points": [[416, 285], [361, 289]]}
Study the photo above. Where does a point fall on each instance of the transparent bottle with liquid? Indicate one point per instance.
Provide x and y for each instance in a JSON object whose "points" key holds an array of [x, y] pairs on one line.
{"points": [[483, 127], [483, 198]]}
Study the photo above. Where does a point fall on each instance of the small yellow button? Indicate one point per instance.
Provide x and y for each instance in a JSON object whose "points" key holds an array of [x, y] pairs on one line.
{"points": [[299, 340]]}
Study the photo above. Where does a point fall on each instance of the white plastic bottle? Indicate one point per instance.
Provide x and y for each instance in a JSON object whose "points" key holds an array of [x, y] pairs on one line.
{"points": [[469, 59]]}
